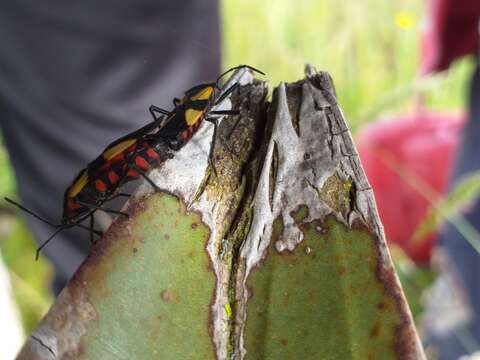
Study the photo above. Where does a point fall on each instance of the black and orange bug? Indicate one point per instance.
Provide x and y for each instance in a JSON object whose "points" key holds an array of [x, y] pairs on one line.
{"points": [[134, 154], [197, 105], [138, 155], [88, 191]]}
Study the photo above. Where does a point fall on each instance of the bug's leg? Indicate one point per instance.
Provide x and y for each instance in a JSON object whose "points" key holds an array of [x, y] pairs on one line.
{"points": [[159, 121], [93, 231], [92, 224], [118, 195], [155, 109], [150, 181], [145, 176], [228, 112], [50, 223], [96, 232], [224, 112], [113, 211], [176, 101], [37, 254], [212, 146], [105, 209]]}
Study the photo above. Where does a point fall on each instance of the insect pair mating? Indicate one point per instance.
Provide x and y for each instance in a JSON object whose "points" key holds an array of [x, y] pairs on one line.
{"points": [[133, 155]]}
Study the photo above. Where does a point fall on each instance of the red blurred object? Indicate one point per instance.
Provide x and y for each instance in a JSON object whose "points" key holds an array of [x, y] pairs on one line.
{"points": [[406, 158], [451, 31]]}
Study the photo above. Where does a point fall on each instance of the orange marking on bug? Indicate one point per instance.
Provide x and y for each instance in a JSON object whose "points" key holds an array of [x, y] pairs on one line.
{"points": [[152, 154], [113, 177], [100, 186], [142, 163], [184, 135], [118, 158], [72, 205], [132, 173], [131, 148]]}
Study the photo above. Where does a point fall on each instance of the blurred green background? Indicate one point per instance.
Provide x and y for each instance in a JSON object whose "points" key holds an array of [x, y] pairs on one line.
{"points": [[371, 49]]}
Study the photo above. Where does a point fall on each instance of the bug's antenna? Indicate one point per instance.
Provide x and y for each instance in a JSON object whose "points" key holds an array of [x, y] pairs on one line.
{"points": [[93, 231], [238, 67], [31, 212], [37, 254]]}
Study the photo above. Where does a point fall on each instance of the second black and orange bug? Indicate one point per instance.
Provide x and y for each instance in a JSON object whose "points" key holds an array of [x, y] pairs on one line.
{"points": [[88, 191], [134, 154]]}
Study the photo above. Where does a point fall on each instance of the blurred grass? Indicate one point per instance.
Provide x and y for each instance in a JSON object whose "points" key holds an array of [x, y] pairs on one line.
{"points": [[414, 280], [448, 208], [370, 48], [30, 280], [7, 181]]}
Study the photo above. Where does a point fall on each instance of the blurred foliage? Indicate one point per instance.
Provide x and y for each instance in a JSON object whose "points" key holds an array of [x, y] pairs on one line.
{"points": [[414, 280], [466, 190], [30, 280], [371, 49], [7, 181]]}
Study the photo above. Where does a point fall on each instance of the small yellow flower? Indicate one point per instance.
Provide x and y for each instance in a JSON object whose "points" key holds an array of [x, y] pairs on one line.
{"points": [[404, 20]]}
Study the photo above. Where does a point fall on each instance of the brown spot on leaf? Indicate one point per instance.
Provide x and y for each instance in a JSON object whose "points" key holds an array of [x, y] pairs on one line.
{"points": [[375, 330], [168, 295]]}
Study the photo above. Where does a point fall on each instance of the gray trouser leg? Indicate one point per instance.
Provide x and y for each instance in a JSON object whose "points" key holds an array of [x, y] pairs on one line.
{"points": [[75, 76]]}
